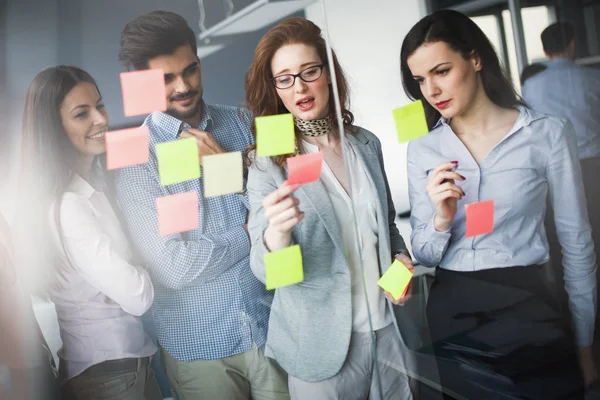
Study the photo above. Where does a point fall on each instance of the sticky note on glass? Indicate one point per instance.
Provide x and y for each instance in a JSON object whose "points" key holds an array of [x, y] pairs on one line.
{"points": [[177, 213], [284, 267], [275, 135], [223, 174], [127, 147], [396, 280], [143, 92], [480, 218], [410, 121], [178, 161], [304, 168]]}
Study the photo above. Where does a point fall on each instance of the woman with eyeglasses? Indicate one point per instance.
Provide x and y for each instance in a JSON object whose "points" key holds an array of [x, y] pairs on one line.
{"points": [[321, 330]]}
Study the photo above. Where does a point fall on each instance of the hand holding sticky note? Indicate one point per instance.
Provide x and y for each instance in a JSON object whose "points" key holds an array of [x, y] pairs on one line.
{"points": [[396, 280], [178, 161], [304, 168], [177, 213], [143, 92], [223, 174], [284, 267], [480, 218], [127, 147], [275, 135], [410, 121]]}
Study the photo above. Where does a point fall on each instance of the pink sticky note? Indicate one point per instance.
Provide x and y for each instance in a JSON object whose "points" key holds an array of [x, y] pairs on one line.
{"points": [[127, 147], [480, 218], [177, 213], [143, 92], [304, 168]]}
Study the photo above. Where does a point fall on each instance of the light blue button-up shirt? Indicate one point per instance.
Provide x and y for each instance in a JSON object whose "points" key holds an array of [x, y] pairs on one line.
{"points": [[567, 90], [208, 304], [537, 156]]}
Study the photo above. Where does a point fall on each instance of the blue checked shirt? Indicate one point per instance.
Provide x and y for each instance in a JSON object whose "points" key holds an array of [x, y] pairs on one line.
{"points": [[207, 302]]}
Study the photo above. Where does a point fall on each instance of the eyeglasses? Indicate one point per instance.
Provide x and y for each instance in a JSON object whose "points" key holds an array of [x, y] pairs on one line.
{"points": [[309, 74]]}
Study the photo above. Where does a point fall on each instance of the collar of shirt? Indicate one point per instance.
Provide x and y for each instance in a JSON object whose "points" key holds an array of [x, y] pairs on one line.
{"points": [[526, 117], [559, 63], [172, 127], [84, 188]]}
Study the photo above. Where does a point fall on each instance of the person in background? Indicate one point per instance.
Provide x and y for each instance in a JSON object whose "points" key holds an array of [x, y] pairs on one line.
{"points": [[488, 299], [211, 313], [567, 90], [323, 330], [71, 246], [531, 70]]}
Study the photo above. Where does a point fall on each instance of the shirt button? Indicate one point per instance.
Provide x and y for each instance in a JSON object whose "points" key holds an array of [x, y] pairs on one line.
{"points": [[470, 255], [243, 313], [241, 281], [245, 324]]}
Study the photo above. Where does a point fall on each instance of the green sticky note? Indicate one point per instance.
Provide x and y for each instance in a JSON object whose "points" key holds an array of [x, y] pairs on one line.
{"points": [[275, 135], [284, 267], [396, 279], [178, 161], [410, 121]]}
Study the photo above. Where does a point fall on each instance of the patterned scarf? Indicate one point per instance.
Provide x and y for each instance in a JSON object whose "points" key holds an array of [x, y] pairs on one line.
{"points": [[317, 127]]}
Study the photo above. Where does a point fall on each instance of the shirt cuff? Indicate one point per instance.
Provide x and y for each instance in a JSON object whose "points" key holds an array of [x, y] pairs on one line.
{"points": [[238, 242], [439, 240]]}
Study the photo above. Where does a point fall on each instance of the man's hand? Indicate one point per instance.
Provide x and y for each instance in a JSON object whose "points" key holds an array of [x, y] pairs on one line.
{"points": [[207, 145]]}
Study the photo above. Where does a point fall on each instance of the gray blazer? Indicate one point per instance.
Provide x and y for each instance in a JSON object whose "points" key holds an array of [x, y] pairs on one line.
{"points": [[311, 322]]}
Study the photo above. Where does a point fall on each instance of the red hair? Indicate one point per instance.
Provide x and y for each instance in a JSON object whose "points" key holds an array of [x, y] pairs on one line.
{"points": [[261, 95]]}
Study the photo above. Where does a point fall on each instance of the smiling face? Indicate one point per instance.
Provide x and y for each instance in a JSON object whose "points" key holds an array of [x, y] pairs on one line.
{"points": [[84, 119], [305, 100], [183, 81], [447, 80]]}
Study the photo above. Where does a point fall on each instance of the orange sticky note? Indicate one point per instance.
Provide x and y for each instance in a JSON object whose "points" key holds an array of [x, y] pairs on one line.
{"points": [[480, 218], [304, 168], [127, 147], [143, 92], [177, 213], [396, 279]]}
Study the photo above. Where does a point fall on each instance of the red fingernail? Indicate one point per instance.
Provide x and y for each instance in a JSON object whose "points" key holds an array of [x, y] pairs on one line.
{"points": [[454, 162]]}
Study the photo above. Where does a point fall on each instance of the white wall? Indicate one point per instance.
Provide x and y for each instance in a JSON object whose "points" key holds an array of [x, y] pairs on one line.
{"points": [[367, 36]]}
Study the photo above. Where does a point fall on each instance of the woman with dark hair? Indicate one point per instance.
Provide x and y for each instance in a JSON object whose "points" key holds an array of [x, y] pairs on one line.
{"points": [[489, 310], [321, 330], [71, 247]]}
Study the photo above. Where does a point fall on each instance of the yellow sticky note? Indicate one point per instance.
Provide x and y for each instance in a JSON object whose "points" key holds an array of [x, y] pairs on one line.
{"points": [[410, 121], [275, 135], [223, 174], [178, 161], [284, 267], [396, 279]]}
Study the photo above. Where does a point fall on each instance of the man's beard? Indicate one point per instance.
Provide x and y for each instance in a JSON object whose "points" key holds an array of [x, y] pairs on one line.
{"points": [[192, 112]]}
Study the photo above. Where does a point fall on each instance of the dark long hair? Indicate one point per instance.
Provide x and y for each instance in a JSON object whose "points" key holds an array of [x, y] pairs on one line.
{"points": [[463, 35], [47, 168], [261, 96]]}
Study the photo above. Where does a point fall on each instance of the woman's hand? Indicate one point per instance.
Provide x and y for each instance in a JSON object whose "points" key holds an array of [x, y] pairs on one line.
{"points": [[444, 194], [283, 214], [404, 259]]}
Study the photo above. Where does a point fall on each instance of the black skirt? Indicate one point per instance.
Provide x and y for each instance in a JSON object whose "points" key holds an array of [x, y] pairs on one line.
{"points": [[498, 334]]}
